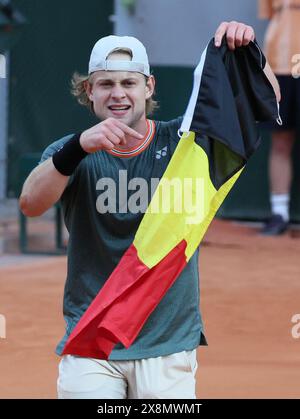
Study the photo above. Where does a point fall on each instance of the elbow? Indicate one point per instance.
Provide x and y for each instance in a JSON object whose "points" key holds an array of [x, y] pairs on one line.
{"points": [[27, 208]]}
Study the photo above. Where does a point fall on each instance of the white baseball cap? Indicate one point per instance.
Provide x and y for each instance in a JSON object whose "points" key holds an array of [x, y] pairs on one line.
{"points": [[105, 46]]}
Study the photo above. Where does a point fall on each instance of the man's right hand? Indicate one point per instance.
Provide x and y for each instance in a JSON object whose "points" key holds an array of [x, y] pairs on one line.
{"points": [[106, 135]]}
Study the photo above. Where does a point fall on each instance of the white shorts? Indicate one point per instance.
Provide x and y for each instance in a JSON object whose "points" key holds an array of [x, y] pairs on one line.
{"points": [[163, 377]]}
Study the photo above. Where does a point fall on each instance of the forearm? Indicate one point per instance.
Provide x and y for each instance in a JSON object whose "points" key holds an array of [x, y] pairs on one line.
{"points": [[42, 189], [273, 80]]}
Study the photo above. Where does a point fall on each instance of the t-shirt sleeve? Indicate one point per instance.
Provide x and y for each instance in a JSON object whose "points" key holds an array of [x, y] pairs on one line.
{"points": [[171, 128], [52, 148]]}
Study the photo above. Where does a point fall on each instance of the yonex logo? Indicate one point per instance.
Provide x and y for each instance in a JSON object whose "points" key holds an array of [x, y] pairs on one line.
{"points": [[161, 153], [2, 66]]}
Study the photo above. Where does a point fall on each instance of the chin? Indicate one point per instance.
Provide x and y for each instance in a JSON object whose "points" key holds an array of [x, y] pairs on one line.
{"points": [[125, 119]]}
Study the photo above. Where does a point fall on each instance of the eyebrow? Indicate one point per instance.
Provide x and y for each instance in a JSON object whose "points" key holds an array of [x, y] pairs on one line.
{"points": [[112, 80]]}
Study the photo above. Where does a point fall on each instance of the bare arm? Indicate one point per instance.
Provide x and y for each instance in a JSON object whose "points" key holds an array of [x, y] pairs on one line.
{"points": [[45, 185], [239, 34], [273, 80], [42, 189]]}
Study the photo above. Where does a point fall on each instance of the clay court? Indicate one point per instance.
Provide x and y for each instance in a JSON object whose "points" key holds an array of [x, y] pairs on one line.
{"points": [[250, 291]]}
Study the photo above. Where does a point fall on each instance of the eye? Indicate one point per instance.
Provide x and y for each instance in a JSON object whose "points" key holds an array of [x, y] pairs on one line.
{"points": [[129, 83], [105, 84]]}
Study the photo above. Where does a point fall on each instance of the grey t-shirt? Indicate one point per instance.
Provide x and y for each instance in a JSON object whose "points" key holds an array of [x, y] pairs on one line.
{"points": [[103, 206]]}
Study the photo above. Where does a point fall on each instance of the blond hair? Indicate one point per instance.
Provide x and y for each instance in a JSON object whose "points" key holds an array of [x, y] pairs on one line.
{"points": [[79, 85]]}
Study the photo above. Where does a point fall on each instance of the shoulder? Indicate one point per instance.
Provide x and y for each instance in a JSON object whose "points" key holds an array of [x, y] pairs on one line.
{"points": [[169, 128]]}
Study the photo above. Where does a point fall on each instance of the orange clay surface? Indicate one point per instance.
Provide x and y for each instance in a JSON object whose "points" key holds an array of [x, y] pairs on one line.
{"points": [[250, 289]]}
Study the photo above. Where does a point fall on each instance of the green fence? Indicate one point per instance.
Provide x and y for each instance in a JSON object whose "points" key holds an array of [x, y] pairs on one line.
{"points": [[249, 199]]}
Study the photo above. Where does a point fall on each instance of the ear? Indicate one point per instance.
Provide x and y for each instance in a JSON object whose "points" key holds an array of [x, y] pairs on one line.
{"points": [[150, 86], [89, 89]]}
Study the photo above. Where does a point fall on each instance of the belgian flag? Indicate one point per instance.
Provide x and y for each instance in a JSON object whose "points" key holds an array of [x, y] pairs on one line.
{"points": [[219, 133]]}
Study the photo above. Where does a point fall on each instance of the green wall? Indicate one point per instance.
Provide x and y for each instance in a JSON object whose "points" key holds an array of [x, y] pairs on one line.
{"points": [[56, 41]]}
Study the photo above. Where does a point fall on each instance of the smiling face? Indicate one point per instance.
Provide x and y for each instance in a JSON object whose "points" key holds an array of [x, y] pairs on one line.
{"points": [[120, 94]]}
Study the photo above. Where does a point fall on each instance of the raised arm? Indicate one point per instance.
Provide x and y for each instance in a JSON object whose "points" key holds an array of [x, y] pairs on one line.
{"points": [[273, 80], [239, 34]]}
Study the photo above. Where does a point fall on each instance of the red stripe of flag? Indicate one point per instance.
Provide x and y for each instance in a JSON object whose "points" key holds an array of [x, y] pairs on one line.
{"points": [[123, 305]]}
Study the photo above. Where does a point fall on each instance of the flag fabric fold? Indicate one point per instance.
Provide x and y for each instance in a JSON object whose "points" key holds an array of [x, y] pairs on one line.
{"points": [[219, 134]]}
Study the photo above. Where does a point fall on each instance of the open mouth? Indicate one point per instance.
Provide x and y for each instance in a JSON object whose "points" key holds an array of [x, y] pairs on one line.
{"points": [[117, 108]]}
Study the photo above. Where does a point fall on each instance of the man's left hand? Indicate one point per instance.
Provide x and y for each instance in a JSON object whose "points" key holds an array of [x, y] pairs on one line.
{"points": [[237, 34]]}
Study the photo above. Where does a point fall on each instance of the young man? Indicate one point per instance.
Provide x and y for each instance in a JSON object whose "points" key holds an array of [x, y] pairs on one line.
{"points": [[124, 146]]}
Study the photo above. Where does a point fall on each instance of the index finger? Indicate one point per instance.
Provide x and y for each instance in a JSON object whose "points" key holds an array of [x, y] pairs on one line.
{"points": [[130, 131], [220, 32]]}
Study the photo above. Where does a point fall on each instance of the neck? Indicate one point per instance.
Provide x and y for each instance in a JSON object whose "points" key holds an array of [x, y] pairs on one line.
{"points": [[141, 127]]}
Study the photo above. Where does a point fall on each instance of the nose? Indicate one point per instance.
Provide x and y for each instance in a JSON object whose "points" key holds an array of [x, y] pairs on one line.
{"points": [[117, 91]]}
